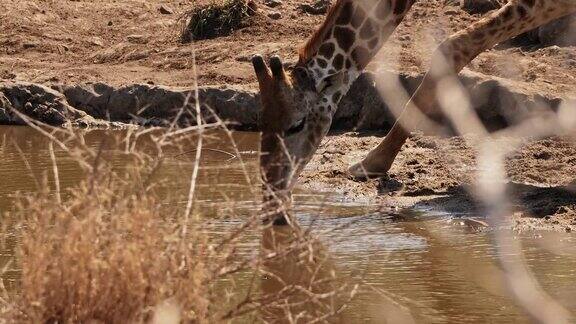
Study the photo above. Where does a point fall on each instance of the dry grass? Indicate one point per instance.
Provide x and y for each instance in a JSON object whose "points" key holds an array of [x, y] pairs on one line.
{"points": [[106, 266], [216, 19], [107, 253], [114, 249]]}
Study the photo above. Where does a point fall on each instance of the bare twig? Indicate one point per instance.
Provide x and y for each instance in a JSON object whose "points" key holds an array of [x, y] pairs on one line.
{"points": [[55, 171]]}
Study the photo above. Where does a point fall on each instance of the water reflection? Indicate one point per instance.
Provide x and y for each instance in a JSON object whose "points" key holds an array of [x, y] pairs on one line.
{"points": [[299, 278]]}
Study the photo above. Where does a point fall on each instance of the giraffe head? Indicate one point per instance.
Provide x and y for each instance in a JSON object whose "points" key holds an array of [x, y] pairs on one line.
{"points": [[296, 114], [298, 105]]}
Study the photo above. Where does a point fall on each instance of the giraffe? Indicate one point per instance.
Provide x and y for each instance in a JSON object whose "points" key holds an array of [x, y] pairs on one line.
{"points": [[298, 104]]}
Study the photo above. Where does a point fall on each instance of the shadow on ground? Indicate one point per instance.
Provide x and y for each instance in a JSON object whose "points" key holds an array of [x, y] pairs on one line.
{"points": [[530, 200]]}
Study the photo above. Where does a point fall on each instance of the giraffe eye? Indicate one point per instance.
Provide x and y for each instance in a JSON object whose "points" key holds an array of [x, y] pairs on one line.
{"points": [[297, 127], [301, 73], [303, 78]]}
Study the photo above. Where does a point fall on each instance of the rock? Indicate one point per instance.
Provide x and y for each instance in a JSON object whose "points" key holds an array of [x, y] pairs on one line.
{"points": [[273, 3], [148, 104], [5, 108], [496, 103], [320, 7], [165, 10], [451, 12], [275, 15], [5, 74], [29, 45], [559, 32], [405, 38], [363, 108], [252, 6], [39, 103], [137, 39], [481, 6], [453, 3], [97, 41], [543, 155]]}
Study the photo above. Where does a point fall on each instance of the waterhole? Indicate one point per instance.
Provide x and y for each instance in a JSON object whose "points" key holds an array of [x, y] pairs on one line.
{"points": [[433, 267]]}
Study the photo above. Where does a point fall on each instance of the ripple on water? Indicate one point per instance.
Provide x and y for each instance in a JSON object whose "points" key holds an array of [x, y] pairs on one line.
{"points": [[361, 235]]}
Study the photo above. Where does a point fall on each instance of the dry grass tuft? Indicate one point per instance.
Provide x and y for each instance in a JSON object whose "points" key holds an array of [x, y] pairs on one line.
{"points": [[107, 254], [217, 19]]}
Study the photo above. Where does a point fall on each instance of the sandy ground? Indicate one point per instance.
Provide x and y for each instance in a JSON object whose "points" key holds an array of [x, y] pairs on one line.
{"points": [[131, 41]]}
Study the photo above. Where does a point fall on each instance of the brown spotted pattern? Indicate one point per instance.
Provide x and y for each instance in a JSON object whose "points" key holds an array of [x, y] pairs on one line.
{"points": [[357, 32]]}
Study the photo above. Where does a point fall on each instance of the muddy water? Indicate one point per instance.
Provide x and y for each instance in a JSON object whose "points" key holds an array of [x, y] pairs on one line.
{"points": [[433, 268]]}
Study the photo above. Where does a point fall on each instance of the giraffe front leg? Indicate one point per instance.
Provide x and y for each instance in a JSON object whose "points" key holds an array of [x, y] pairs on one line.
{"points": [[517, 17]]}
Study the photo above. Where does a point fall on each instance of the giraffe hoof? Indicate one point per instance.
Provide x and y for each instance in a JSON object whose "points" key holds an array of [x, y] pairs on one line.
{"points": [[360, 173]]}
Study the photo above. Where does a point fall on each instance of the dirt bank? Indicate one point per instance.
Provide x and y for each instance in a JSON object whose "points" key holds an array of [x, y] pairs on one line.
{"points": [[65, 45], [497, 102], [438, 174]]}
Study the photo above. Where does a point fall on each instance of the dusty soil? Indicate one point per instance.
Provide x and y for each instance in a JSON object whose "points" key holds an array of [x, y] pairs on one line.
{"points": [[132, 41]]}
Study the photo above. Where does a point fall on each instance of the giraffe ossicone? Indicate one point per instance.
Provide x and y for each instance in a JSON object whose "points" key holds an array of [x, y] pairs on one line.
{"points": [[298, 105]]}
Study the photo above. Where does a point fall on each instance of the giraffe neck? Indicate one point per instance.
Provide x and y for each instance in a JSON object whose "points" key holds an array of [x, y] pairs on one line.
{"points": [[352, 34]]}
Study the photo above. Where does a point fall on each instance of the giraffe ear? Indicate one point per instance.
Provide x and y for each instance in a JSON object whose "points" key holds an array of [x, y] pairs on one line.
{"points": [[262, 71], [332, 81]]}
